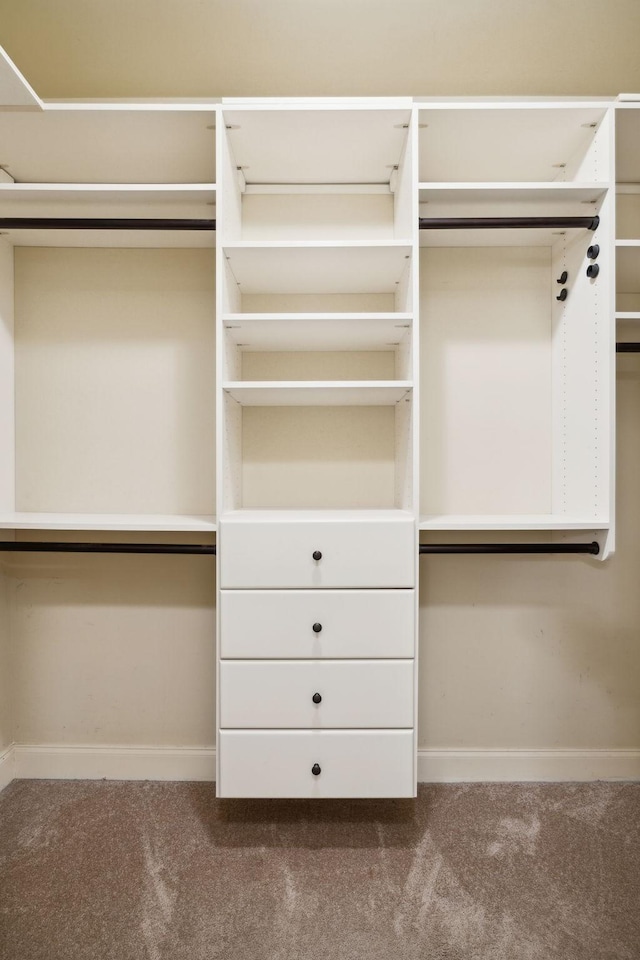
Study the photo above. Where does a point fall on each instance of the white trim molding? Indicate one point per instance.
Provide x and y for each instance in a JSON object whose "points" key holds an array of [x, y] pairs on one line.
{"points": [[98, 762], [7, 767], [504, 766]]}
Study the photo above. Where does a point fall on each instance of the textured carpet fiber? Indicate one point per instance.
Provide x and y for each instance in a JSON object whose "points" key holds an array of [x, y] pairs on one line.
{"points": [[164, 871]]}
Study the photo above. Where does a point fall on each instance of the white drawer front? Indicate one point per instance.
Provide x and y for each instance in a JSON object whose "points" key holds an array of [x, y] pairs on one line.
{"points": [[353, 554], [277, 763], [353, 693], [259, 624]]}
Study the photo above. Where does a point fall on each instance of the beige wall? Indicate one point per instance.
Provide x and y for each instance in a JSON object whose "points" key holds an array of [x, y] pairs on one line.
{"points": [[521, 653], [114, 649], [78, 48]]}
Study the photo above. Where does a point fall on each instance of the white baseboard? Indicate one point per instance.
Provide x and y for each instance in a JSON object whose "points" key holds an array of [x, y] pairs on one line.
{"points": [[92, 762], [7, 767], [89, 762], [504, 766]]}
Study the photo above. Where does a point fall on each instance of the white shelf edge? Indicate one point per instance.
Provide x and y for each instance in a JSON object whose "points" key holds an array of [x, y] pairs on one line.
{"points": [[264, 393], [317, 244], [320, 515], [628, 243], [510, 522], [302, 317], [514, 185], [133, 523], [627, 314], [41, 187]]}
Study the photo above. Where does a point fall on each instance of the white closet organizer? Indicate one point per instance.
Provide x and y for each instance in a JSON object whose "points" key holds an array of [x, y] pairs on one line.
{"points": [[317, 466], [517, 384], [292, 404], [108, 391]]}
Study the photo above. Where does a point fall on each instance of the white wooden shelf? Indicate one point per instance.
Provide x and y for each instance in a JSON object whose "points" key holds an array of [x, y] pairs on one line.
{"points": [[162, 143], [536, 142], [107, 199], [317, 331], [510, 199], [262, 515], [339, 143], [551, 521], [337, 393], [347, 267], [628, 315], [107, 521], [159, 239]]}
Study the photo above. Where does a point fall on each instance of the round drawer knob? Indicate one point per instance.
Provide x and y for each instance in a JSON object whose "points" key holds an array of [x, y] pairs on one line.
{"points": [[594, 251], [317, 628], [316, 698], [593, 270], [317, 555], [316, 770]]}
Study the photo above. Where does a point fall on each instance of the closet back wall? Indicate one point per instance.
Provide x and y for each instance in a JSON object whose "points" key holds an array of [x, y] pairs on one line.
{"points": [[516, 654]]}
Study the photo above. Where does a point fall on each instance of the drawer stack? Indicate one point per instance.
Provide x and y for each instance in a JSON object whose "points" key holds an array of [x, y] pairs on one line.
{"points": [[316, 658]]}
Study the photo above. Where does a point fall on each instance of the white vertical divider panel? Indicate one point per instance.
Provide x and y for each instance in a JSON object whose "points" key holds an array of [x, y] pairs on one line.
{"points": [[583, 376], [412, 152], [7, 391]]}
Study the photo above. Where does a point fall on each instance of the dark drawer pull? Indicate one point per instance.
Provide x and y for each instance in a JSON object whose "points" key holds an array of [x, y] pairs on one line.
{"points": [[317, 555], [317, 628], [317, 698], [316, 770]]}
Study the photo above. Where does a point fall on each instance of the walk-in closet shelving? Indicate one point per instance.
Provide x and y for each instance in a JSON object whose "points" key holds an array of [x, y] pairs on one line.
{"points": [[516, 374], [108, 344]]}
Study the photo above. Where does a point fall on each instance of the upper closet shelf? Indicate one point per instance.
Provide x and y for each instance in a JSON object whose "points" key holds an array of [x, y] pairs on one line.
{"points": [[313, 146], [107, 521], [541, 142], [161, 144], [551, 521], [348, 267], [194, 200], [328, 393], [317, 331]]}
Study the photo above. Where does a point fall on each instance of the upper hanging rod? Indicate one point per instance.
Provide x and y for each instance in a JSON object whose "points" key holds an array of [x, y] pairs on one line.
{"points": [[491, 223], [52, 546], [592, 548], [627, 347], [103, 223], [424, 223]]}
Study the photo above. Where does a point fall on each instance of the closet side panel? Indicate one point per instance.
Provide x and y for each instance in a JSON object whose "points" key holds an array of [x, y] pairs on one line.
{"points": [[6, 712], [7, 409]]}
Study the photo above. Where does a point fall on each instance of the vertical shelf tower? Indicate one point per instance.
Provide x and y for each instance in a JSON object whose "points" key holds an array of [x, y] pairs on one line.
{"points": [[317, 228]]}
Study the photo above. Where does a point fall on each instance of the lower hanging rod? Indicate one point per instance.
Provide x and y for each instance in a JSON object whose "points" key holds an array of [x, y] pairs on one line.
{"points": [[506, 223], [103, 223], [592, 548], [51, 546], [628, 347]]}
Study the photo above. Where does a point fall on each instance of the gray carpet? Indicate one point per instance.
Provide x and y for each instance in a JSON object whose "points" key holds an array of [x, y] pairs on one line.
{"points": [[164, 871]]}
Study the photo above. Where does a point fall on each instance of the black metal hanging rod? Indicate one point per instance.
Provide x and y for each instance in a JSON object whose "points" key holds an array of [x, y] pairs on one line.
{"points": [[103, 223], [506, 223], [424, 223], [51, 546], [627, 347], [592, 548]]}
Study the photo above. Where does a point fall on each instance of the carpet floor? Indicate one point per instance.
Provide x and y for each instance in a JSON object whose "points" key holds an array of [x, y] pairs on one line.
{"points": [[164, 871]]}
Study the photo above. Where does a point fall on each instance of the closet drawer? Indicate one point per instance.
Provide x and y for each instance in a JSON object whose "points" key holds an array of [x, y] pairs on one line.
{"points": [[317, 553], [278, 763], [259, 624], [349, 693]]}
